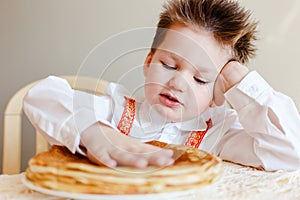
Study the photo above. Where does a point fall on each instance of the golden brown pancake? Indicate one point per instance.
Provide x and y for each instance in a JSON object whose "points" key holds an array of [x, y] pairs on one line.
{"points": [[59, 169]]}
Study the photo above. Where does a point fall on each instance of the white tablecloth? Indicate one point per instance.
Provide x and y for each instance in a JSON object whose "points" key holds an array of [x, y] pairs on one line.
{"points": [[237, 182]]}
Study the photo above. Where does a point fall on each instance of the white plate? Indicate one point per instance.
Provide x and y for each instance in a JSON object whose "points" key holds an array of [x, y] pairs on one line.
{"points": [[57, 193]]}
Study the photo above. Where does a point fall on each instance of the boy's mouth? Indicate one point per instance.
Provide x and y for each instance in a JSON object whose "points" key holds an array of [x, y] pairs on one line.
{"points": [[171, 98]]}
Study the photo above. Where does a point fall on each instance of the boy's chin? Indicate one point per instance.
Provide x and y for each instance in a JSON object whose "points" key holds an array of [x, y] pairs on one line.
{"points": [[171, 116], [174, 119]]}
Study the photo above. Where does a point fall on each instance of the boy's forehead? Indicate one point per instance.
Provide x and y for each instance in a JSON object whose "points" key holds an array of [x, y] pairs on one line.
{"points": [[197, 49], [183, 47]]}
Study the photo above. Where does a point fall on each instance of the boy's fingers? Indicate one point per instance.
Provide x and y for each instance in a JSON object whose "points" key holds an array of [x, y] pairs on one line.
{"points": [[129, 159], [156, 150], [142, 155], [219, 89], [102, 158], [231, 74], [161, 161], [160, 157], [163, 158]]}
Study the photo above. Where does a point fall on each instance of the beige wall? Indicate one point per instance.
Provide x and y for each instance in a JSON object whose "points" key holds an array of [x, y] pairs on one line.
{"points": [[43, 37], [278, 48]]}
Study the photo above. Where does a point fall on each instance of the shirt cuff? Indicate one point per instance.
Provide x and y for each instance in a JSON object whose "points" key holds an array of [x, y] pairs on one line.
{"points": [[247, 91]]}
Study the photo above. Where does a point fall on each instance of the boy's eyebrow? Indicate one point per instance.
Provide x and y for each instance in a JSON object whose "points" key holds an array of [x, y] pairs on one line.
{"points": [[173, 55], [203, 69]]}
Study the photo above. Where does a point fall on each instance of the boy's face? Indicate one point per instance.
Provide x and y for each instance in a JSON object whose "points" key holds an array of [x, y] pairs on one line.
{"points": [[180, 75]]}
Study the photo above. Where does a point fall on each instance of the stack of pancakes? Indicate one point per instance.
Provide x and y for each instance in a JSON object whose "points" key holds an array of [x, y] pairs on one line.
{"points": [[59, 169]]}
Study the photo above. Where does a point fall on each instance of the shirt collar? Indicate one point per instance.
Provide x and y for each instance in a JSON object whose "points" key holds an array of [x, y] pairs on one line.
{"points": [[150, 120]]}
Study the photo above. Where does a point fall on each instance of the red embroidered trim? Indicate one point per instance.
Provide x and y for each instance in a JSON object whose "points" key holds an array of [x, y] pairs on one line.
{"points": [[196, 137], [128, 115]]}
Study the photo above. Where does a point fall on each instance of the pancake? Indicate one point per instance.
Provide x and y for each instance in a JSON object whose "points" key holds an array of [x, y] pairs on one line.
{"points": [[59, 169]]}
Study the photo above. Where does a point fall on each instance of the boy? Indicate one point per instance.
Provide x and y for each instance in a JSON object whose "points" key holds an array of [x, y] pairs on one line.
{"points": [[195, 63]]}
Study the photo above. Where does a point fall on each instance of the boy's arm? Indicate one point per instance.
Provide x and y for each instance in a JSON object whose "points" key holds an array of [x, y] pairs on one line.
{"points": [[67, 117], [49, 107], [269, 124]]}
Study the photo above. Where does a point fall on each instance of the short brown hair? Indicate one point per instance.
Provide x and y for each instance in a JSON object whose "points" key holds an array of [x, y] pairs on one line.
{"points": [[225, 19]]}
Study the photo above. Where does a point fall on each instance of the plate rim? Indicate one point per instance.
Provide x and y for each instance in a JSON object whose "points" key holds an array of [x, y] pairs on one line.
{"points": [[81, 196]]}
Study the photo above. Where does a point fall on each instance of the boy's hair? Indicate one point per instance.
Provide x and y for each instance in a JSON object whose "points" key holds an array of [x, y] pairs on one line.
{"points": [[225, 19]]}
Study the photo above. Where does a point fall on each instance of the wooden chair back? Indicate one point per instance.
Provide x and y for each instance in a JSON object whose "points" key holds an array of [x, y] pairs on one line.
{"points": [[11, 162]]}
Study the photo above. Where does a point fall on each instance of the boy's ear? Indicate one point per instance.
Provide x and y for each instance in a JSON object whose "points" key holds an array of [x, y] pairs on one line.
{"points": [[147, 63]]}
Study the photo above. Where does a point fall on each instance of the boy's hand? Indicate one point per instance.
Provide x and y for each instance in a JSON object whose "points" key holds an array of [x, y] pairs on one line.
{"points": [[231, 74], [106, 146]]}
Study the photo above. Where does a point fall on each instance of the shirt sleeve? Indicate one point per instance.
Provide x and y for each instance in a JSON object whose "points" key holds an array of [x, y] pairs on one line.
{"points": [[266, 132], [61, 114]]}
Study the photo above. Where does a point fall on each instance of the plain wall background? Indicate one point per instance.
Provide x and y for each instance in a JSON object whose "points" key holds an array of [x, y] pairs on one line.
{"points": [[43, 37]]}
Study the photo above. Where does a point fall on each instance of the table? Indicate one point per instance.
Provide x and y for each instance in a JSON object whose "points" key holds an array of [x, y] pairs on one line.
{"points": [[237, 182]]}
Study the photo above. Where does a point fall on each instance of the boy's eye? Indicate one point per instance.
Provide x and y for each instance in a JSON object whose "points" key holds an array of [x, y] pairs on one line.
{"points": [[202, 82], [167, 66]]}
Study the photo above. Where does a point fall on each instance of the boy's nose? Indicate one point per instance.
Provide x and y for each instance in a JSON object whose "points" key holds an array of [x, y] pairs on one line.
{"points": [[178, 82]]}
